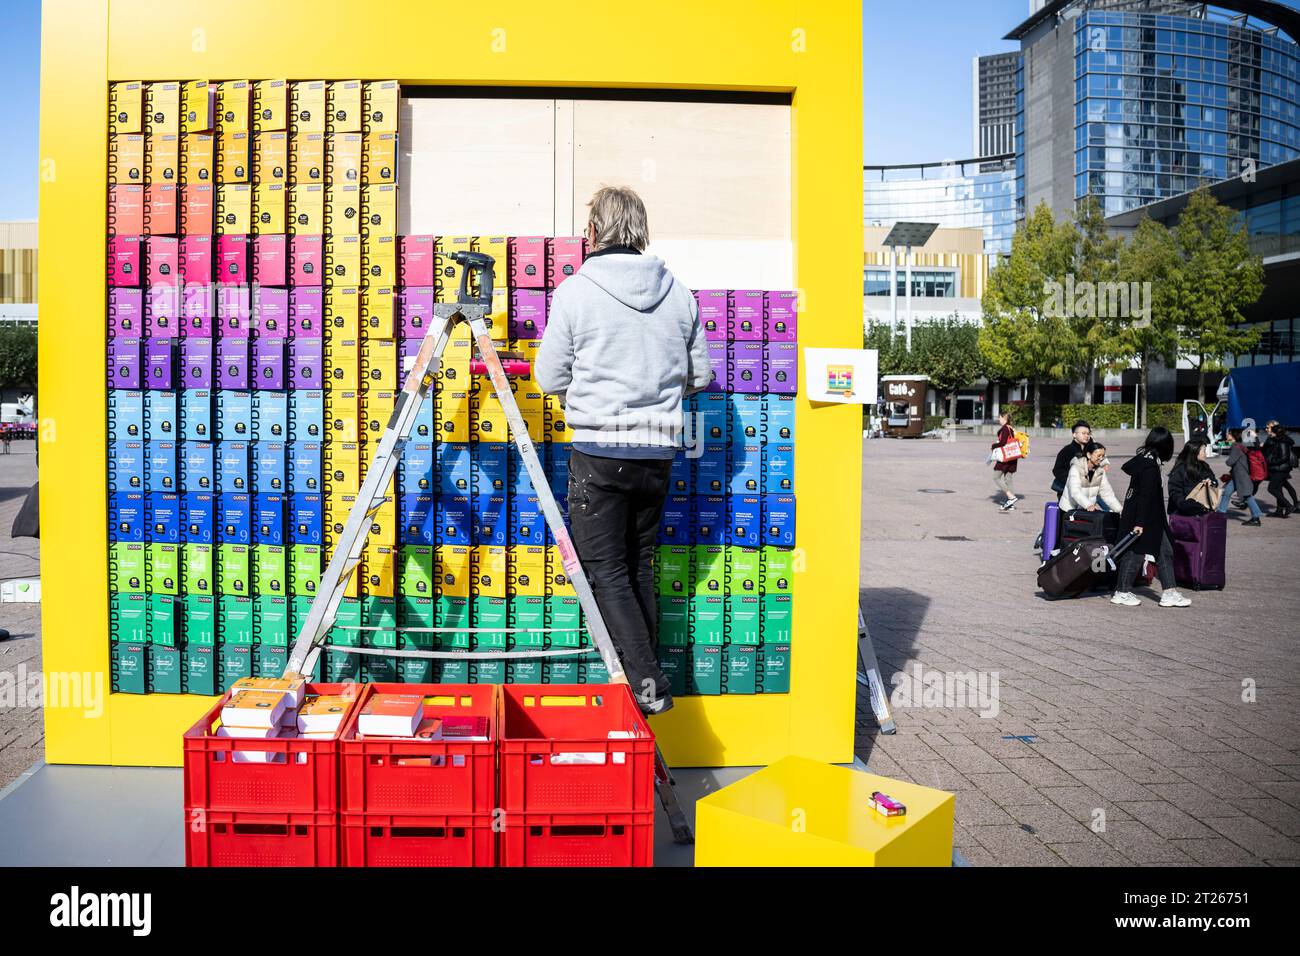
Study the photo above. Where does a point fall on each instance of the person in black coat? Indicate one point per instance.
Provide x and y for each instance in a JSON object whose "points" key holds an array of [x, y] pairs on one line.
{"points": [[1278, 452], [1081, 434], [1144, 514], [1188, 472]]}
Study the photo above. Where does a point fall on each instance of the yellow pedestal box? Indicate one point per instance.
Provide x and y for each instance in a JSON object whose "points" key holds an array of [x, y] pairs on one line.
{"points": [[800, 812]]}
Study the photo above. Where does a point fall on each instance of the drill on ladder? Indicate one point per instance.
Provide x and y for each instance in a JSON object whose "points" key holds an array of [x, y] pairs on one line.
{"points": [[472, 309]]}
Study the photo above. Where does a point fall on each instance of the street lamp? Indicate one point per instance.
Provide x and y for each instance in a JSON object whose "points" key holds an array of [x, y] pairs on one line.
{"points": [[904, 235]]}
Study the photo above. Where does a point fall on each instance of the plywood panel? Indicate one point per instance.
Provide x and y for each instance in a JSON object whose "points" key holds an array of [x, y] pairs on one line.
{"points": [[476, 167], [708, 170], [715, 178]]}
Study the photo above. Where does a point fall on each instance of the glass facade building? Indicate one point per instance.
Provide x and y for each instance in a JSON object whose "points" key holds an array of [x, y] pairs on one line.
{"points": [[1165, 104], [945, 194]]}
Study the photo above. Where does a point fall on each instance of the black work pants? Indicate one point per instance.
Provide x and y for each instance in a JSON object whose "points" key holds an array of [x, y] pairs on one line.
{"points": [[615, 505]]}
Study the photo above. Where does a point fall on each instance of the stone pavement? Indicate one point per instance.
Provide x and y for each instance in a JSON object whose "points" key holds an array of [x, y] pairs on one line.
{"points": [[1121, 735], [21, 728]]}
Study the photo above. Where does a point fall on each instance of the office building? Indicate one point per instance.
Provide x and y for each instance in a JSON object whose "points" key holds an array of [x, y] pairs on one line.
{"points": [[1270, 209], [1135, 101], [18, 271], [955, 195], [993, 86]]}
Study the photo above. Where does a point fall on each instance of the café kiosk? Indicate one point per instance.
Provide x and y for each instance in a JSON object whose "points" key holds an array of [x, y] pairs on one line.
{"points": [[902, 403]]}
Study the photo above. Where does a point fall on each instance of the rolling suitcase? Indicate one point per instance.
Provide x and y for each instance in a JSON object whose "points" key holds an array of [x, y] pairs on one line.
{"points": [[1051, 527], [1081, 565], [1200, 550], [1077, 525]]}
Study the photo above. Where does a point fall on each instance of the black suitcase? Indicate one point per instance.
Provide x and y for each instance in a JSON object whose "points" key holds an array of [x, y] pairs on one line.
{"points": [[1081, 566], [1077, 525]]}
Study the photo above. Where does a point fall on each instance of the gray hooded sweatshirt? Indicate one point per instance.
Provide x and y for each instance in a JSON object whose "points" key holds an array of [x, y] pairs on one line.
{"points": [[623, 346]]}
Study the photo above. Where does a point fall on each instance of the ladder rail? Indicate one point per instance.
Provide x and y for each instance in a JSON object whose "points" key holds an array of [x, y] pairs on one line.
{"points": [[352, 540]]}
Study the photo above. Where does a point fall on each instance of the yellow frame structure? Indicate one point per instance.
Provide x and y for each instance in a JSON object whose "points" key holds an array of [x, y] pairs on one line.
{"points": [[811, 50]]}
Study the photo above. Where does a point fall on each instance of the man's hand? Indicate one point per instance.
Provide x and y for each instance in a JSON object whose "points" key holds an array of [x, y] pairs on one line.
{"points": [[1137, 529], [1092, 507]]}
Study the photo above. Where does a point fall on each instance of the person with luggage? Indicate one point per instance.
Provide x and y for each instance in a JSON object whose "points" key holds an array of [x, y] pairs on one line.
{"points": [[1004, 472], [1238, 479], [1189, 472], [1080, 435], [1144, 515], [1086, 486], [1279, 453]]}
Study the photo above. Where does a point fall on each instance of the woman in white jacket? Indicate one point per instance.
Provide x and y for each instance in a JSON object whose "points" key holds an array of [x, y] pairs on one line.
{"points": [[1086, 485]]}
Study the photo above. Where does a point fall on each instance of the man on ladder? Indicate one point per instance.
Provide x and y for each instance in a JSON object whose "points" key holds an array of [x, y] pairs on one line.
{"points": [[623, 347]]}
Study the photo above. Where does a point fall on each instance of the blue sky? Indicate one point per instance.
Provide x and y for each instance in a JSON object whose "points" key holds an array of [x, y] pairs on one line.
{"points": [[20, 58], [916, 83], [916, 73]]}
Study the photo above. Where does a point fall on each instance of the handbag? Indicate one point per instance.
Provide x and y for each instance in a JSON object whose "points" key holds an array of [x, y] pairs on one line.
{"points": [[1206, 495], [1008, 452]]}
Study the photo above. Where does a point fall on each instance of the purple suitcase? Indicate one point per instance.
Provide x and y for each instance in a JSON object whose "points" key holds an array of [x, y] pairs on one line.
{"points": [[1051, 525], [1200, 550]]}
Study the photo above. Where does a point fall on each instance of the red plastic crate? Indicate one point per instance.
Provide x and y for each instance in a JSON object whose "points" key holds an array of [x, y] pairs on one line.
{"points": [[388, 839], [546, 727], [240, 838], [578, 839], [423, 776], [304, 778]]}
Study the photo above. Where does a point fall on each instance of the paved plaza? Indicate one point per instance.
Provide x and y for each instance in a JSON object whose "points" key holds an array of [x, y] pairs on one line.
{"points": [[1121, 735]]}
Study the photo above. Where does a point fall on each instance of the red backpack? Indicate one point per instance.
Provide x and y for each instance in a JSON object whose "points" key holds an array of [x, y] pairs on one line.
{"points": [[1258, 466]]}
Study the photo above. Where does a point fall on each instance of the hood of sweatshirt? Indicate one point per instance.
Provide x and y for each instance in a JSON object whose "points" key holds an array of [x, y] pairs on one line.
{"points": [[639, 282], [1138, 463]]}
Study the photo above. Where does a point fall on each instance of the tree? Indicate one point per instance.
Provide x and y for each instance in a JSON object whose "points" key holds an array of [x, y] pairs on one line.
{"points": [[1150, 256], [1216, 280], [1096, 262], [1025, 335], [18, 356], [893, 355], [949, 354]]}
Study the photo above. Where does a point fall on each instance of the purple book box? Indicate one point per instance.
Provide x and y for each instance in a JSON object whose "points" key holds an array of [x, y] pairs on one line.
{"points": [[232, 363], [268, 364], [713, 313], [125, 312], [235, 310], [271, 311], [198, 306], [527, 313], [781, 373], [307, 312], [306, 365], [125, 359], [160, 364], [746, 372], [782, 317], [415, 311], [746, 316], [196, 363]]}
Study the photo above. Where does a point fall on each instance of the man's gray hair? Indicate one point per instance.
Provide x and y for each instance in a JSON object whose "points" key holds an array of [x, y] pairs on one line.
{"points": [[619, 217]]}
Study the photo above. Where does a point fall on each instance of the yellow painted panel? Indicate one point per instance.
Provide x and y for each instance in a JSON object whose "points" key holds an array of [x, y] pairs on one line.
{"points": [[811, 51], [801, 812]]}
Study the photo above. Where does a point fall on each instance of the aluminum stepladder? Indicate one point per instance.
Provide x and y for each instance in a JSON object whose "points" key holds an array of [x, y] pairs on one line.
{"points": [[869, 675], [471, 309]]}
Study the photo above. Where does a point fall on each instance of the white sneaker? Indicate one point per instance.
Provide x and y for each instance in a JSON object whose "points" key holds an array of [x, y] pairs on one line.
{"points": [[1009, 504], [1127, 598], [1174, 598]]}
